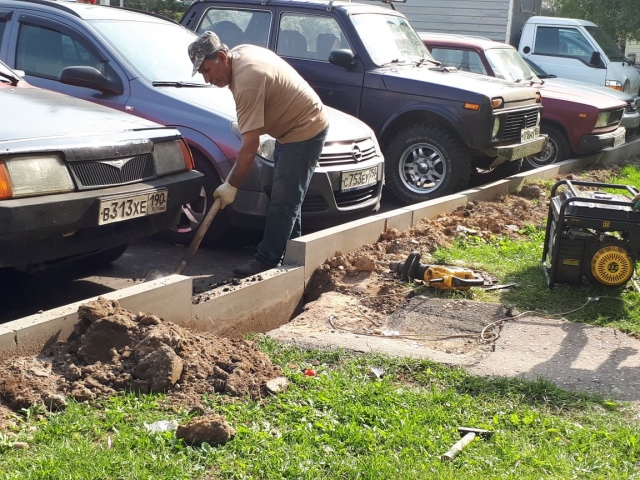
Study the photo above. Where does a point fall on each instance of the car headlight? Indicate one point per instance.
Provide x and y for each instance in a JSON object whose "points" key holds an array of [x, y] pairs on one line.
{"points": [[538, 120], [170, 157], [31, 175], [496, 128], [615, 84], [603, 119], [267, 143]]}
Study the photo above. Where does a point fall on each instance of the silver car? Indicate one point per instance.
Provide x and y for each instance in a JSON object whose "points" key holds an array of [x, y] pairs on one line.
{"points": [[138, 63]]}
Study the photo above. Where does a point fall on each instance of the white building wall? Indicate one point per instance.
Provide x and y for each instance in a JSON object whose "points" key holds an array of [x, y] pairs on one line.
{"points": [[469, 17], [633, 47]]}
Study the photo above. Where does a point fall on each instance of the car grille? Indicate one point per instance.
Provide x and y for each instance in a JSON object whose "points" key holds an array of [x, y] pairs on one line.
{"points": [[631, 106], [615, 117], [107, 173], [516, 121], [314, 202], [347, 154]]}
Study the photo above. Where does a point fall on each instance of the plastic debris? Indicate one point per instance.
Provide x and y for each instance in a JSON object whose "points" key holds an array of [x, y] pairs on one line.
{"points": [[390, 333], [161, 426], [310, 372], [377, 371]]}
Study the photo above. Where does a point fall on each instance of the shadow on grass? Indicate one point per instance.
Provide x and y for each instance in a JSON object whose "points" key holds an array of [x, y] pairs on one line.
{"points": [[535, 393]]}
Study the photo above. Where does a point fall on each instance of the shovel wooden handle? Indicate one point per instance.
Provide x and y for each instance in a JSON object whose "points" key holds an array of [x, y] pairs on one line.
{"points": [[459, 446], [197, 238]]}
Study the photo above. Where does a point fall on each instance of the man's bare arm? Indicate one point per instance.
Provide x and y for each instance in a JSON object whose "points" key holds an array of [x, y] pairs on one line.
{"points": [[245, 158]]}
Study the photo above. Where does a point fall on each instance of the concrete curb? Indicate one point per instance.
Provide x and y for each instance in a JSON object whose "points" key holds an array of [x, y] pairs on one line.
{"points": [[273, 301]]}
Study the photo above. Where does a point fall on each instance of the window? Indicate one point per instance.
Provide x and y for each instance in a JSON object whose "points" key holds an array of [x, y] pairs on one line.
{"points": [[3, 25], [309, 36], [45, 52], [464, 60], [566, 42], [237, 27]]}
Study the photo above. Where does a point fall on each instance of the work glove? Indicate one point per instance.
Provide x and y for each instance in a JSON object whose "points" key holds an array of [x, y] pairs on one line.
{"points": [[636, 203], [226, 193]]}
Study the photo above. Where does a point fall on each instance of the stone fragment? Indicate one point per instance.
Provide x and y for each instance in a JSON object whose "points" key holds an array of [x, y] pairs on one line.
{"points": [[97, 309], [162, 369], [115, 331], [277, 385], [212, 429]]}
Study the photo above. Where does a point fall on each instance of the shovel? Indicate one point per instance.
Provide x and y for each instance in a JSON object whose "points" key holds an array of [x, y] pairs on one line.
{"points": [[193, 246]]}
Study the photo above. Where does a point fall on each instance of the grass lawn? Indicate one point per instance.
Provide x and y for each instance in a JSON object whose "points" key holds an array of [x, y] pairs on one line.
{"points": [[346, 423]]}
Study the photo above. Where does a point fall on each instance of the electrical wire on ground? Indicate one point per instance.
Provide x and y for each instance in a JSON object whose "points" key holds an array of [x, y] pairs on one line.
{"points": [[495, 334], [490, 332]]}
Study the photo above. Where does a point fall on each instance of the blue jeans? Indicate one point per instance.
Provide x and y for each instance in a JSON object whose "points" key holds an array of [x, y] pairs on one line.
{"points": [[294, 166]]}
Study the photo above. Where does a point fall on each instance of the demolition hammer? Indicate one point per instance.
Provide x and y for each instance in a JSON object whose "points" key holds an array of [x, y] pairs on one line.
{"points": [[438, 276]]}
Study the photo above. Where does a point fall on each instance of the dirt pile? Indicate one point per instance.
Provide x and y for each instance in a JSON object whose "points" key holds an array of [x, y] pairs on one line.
{"points": [[363, 273], [113, 349]]}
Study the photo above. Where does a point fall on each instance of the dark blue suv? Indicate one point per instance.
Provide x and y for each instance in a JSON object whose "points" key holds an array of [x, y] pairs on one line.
{"points": [[436, 125]]}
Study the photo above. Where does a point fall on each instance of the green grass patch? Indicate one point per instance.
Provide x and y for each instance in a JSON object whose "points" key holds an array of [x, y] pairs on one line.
{"points": [[520, 262], [345, 424]]}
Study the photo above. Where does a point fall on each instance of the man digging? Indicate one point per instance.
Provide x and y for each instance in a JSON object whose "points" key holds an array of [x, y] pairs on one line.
{"points": [[271, 98]]}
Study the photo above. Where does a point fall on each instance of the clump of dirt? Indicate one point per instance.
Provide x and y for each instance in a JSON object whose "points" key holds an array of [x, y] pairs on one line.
{"points": [[114, 349], [212, 429]]}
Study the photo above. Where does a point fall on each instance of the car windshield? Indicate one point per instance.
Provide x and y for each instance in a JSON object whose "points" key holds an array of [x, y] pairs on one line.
{"points": [[508, 65], [537, 69], [608, 46], [390, 39], [158, 51]]}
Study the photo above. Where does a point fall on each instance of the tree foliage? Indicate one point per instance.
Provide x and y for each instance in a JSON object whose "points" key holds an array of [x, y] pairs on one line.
{"points": [[172, 9], [619, 18]]}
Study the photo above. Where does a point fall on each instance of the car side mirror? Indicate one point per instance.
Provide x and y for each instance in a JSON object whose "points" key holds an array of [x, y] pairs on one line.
{"points": [[343, 58], [89, 77], [596, 60]]}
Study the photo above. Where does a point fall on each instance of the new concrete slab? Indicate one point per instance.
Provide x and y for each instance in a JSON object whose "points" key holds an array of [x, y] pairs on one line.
{"points": [[166, 298], [312, 250], [252, 307], [8, 345], [431, 208]]}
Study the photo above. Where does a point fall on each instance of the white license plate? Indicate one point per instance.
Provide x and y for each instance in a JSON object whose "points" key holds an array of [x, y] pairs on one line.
{"points": [[528, 134], [619, 140], [118, 209], [358, 179]]}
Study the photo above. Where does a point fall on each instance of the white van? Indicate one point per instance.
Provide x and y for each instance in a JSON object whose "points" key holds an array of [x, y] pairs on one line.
{"points": [[579, 50]]}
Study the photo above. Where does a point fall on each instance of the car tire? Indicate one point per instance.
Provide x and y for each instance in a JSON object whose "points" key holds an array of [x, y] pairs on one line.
{"points": [[558, 149], [425, 162], [193, 213]]}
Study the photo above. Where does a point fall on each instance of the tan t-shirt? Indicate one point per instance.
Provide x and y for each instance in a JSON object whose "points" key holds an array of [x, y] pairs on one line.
{"points": [[273, 98]]}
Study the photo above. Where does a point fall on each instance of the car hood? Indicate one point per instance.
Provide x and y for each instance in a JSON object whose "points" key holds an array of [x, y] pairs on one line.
{"points": [[32, 113], [579, 95], [625, 97], [342, 127], [453, 85], [345, 128], [219, 100]]}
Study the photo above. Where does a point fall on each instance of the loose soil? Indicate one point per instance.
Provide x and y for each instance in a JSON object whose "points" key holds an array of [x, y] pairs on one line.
{"points": [[113, 349]]}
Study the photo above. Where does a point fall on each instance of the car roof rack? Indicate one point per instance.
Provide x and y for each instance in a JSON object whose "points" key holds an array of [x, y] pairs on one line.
{"points": [[391, 3]]}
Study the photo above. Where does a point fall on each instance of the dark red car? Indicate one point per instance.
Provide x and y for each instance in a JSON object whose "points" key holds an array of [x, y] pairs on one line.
{"points": [[577, 120]]}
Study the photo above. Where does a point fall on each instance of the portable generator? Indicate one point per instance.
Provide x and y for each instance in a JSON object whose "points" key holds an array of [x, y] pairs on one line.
{"points": [[591, 233]]}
